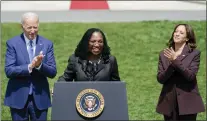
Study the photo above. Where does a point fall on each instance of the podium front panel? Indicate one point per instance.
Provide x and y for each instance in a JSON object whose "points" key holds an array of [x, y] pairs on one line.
{"points": [[65, 94]]}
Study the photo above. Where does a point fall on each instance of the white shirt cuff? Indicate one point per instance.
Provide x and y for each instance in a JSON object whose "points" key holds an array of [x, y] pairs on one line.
{"points": [[30, 69]]}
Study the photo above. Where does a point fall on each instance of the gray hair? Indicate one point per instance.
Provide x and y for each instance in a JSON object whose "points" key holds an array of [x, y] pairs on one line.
{"points": [[29, 15]]}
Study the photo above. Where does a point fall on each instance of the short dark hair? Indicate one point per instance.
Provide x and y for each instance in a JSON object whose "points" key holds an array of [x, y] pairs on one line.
{"points": [[82, 48], [190, 35]]}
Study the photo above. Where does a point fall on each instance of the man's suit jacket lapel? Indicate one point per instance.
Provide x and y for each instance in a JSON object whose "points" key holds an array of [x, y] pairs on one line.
{"points": [[39, 45], [22, 45]]}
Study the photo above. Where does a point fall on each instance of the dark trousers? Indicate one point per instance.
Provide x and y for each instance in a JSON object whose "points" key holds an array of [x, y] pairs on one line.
{"points": [[175, 112], [190, 117], [176, 117], [29, 112]]}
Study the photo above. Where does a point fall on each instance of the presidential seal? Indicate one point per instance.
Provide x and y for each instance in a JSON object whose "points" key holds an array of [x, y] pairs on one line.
{"points": [[90, 103]]}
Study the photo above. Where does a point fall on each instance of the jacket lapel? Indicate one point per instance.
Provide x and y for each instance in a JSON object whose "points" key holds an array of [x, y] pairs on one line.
{"points": [[100, 66], [23, 47], [39, 46], [184, 53]]}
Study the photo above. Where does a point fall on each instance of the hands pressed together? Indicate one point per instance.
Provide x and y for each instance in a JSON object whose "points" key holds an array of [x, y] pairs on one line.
{"points": [[170, 54], [37, 60]]}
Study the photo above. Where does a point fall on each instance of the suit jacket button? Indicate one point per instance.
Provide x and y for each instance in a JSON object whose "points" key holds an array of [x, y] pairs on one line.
{"points": [[178, 93]]}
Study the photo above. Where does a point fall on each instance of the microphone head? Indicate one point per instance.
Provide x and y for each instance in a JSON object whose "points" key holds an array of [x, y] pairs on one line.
{"points": [[84, 65], [95, 67]]}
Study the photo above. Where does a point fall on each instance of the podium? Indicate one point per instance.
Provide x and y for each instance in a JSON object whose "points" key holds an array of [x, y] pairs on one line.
{"points": [[65, 96]]}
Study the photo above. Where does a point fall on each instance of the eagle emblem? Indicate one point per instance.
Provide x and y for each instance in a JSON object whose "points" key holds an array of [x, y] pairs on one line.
{"points": [[90, 103]]}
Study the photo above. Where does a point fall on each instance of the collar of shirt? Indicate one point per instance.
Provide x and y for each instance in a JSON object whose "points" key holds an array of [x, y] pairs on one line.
{"points": [[27, 41]]}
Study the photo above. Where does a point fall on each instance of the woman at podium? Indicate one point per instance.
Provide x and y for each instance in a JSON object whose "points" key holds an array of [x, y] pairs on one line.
{"points": [[177, 69], [91, 60]]}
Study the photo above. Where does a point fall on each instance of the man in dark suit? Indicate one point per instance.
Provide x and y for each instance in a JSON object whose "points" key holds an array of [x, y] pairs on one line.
{"points": [[29, 61]]}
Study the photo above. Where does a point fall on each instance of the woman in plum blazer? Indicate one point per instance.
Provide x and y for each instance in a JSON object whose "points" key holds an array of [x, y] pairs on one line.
{"points": [[177, 69]]}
